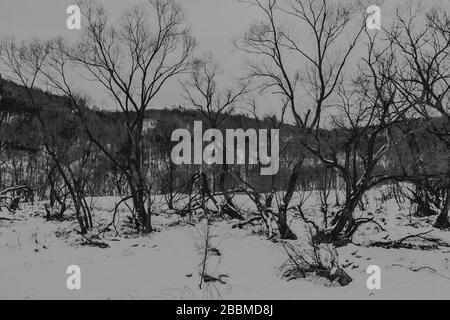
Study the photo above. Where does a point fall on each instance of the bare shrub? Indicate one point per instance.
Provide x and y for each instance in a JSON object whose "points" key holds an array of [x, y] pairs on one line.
{"points": [[210, 278], [313, 260]]}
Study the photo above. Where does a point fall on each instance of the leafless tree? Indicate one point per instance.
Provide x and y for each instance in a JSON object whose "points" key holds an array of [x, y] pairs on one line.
{"points": [[25, 63], [283, 199], [132, 61], [204, 91], [421, 39], [274, 49], [369, 109]]}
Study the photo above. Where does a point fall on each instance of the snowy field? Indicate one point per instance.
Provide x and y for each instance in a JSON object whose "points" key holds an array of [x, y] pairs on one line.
{"points": [[35, 253]]}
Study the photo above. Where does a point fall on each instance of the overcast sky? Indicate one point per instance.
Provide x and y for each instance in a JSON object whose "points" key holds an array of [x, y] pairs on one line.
{"points": [[214, 24]]}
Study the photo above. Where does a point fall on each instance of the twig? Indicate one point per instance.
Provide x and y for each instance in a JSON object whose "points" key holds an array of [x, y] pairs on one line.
{"points": [[398, 243], [241, 224], [92, 243]]}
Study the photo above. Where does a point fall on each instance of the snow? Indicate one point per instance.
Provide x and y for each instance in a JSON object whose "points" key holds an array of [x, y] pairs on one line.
{"points": [[35, 253]]}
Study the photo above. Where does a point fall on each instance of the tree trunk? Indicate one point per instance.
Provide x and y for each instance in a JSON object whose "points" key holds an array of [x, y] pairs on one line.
{"points": [[136, 179], [442, 220], [142, 214], [345, 219], [51, 183], [82, 225], [170, 203], [285, 231]]}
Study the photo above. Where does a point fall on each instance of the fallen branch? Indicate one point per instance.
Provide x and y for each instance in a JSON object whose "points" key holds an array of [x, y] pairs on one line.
{"points": [[207, 278], [90, 242], [12, 189], [415, 269], [113, 222], [240, 225], [399, 243], [359, 222]]}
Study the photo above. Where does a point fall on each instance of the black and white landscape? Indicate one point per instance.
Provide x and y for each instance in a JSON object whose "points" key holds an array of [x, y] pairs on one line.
{"points": [[224, 149]]}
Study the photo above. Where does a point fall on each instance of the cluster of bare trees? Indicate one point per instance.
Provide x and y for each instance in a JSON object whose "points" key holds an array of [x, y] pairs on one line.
{"points": [[131, 61], [422, 80], [403, 74], [350, 117]]}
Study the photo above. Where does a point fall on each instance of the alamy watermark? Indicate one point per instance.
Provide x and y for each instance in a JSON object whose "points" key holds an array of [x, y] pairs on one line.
{"points": [[373, 20], [73, 282], [374, 280], [241, 147], [73, 22]]}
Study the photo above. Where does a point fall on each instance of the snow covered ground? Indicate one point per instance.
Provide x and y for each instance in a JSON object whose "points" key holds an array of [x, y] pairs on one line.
{"points": [[35, 253]]}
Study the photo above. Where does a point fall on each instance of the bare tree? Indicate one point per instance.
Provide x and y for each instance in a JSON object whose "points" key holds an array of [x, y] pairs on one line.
{"points": [[369, 108], [25, 63], [283, 199], [203, 91], [169, 175], [422, 43], [273, 46], [3, 115], [324, 188], [132, 61]]}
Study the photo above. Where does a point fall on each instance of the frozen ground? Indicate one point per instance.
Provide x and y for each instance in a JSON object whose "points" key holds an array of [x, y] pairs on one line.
{"points": [[34, 255]]}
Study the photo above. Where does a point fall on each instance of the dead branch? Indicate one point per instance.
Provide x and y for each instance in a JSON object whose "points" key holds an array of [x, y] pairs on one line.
{"points": [[358, 222], [12, 189], [113, 221], [308, 221], [415, 269], [90, 242], [240, 225], [399, 243], [207, 278]]}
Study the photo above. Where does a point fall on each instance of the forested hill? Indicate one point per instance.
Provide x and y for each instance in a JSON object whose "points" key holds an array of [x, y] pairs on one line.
{"points": [[18, 102], [23, 129]]}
